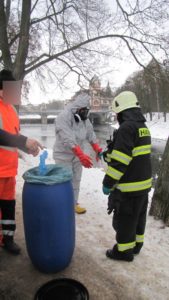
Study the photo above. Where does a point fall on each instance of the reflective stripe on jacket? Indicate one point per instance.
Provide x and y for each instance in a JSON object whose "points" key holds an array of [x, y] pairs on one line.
{"points": [[9, 121], [128, 158]]}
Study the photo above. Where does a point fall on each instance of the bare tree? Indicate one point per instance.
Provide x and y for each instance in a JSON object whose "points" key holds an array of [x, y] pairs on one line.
{"points": [[73, 35], [160, 202]]}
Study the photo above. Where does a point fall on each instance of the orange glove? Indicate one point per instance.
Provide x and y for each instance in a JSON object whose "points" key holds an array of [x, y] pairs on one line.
{"points": [[97, 149], [85, 160]]}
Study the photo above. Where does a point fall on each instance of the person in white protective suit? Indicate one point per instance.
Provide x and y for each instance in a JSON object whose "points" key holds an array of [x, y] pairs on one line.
{"points": [[72, 129]]}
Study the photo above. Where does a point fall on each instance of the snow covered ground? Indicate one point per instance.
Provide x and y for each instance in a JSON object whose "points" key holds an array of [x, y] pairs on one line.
{"points": [[146, 278], [158, 128]]}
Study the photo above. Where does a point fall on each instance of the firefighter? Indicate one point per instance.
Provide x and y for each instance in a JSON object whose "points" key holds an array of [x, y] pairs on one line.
{"points": [[128, 177], [72, 129]]}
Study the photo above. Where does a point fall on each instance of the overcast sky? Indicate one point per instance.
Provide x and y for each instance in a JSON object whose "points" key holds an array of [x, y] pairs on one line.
{"points": [[114, 71], [120, 71]]}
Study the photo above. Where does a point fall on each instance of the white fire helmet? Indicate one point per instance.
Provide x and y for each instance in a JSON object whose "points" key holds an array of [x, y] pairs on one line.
{"points": [[123, 101]]}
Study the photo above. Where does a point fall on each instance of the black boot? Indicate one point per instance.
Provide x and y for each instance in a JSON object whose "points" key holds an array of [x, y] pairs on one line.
{"points": [[137, 248], [114, 253], [10, 245]]}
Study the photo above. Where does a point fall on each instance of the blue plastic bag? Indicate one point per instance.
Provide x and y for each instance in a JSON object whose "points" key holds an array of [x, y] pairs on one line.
{"points": [[42, 165], [53, 174]]}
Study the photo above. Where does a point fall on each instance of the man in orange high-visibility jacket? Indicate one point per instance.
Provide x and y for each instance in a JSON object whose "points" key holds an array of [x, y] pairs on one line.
{"points": [[28, 145], [9, 121]]}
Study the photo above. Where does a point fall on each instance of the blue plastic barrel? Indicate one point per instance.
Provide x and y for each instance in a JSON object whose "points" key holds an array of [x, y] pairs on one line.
{"points": [[49, 225]]}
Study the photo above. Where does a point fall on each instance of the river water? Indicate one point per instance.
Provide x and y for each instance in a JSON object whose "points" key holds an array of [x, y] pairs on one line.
{"points": [[46, 135]]}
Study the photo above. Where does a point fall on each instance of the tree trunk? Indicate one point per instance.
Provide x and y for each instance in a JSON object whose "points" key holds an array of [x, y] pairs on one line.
{"points": [[6, 56], [23, 46], [160, 201]]}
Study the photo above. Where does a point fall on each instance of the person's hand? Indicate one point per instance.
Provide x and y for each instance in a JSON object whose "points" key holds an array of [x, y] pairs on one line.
{"points": [[98, 150], [85, 159], [100, 154], [106, 190], [110, 204], [21, 155], [33, 146], [114, 200]]}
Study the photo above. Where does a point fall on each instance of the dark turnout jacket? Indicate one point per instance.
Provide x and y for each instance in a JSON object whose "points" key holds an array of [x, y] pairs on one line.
{"points": [[128, 156]]}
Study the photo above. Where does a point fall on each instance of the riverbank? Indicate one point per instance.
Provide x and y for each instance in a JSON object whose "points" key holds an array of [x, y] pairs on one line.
{"points": [[146, 278]]}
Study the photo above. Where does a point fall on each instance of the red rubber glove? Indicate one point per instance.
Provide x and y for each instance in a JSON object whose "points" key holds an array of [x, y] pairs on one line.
{"points": [[97, 149], [85, 160]]}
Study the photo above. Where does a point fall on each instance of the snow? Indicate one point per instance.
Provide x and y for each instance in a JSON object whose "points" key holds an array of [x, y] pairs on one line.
{"points": [[158, 128], [51, 116], [29, 117], [147, 277]]}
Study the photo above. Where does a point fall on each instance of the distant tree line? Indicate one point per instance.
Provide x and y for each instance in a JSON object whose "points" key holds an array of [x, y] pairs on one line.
{"points": [[54, 104], [151, 86]]}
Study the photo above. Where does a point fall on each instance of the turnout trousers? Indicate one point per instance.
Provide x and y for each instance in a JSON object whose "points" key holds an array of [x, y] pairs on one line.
{"points": [[129, 221]]}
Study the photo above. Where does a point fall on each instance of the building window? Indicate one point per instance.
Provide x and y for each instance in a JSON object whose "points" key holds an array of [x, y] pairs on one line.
{"points": [[96, 102]]}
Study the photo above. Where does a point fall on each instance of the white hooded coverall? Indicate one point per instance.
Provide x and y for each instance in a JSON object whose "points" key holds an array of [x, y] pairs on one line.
{"points": [[69, 134]]}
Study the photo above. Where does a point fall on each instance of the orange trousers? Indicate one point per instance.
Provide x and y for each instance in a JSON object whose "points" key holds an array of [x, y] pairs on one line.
{"points": [[7, 188]]}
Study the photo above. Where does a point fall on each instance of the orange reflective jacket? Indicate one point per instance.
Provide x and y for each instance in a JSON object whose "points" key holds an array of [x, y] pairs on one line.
{"points": [[9, 121]]}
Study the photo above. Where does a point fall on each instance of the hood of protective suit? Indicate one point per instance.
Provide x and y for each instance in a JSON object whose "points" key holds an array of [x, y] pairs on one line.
{"points": [[81, 100], [70, 133]]}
